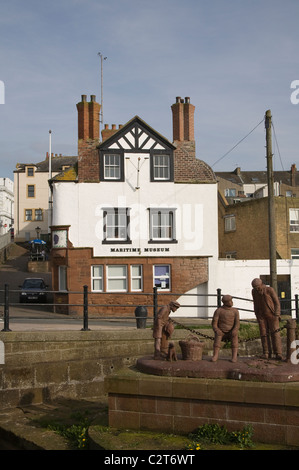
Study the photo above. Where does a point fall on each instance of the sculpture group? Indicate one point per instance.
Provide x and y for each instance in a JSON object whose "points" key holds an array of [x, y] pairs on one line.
{"points": [[226, 324]]}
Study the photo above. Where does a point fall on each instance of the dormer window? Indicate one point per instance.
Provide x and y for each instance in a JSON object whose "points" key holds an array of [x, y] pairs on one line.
{"points": [[112, 166]]}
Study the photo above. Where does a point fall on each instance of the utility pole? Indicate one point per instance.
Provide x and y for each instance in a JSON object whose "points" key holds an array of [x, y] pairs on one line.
{"points": [[271, 207]]}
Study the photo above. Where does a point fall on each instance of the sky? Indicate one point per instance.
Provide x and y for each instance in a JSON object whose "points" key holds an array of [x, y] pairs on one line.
{"points": [[235, 59]]}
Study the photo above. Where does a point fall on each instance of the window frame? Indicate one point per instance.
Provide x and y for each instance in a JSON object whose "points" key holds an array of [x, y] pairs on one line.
{"points": [[162, 212], [158, 153], [227, 223], [295, 225], [134, 277], [25, 215], [167, 289], [97, 278], [110, 278], [116, 212], [109, 153], [27, 191]]}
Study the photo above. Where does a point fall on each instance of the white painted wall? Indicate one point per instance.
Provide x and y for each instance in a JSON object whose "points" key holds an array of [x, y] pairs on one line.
{"points": [[81, 207]]}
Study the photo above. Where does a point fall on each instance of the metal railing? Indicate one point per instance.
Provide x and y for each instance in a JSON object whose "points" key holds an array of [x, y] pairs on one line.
{"points": [[155, 295]]}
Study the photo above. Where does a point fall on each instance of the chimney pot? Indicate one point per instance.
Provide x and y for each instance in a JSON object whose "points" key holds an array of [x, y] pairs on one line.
{"points": [[83, 97], [92, 97], [187, 99], [178, 99]]}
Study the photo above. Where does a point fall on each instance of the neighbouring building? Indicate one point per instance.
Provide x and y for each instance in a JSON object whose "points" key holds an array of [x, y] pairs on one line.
{"points": [[239, 185], [138, 211], [32, 196], [6, 205]]}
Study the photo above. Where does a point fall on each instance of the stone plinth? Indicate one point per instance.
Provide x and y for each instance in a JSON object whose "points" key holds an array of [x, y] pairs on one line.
{"points": [[181, 404]]}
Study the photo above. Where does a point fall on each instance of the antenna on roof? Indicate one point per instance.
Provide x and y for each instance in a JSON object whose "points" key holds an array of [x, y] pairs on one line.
{"points": [[101, 112]]}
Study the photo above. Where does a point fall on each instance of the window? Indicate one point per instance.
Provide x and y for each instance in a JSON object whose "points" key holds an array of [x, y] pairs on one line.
{"points": [[30, 171], [38, 214], [229, 223], [30, 190], [28, 214], [116, 278], [97, 278], [295, 253], [136, 277], [162, 225], [294, 220], [230, 192], [161, 166], [162, 277], [116, 225], [112, 166], [62, 278]]}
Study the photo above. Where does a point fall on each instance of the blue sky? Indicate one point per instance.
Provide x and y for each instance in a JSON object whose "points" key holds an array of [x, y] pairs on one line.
{"points": [[234, 58]]}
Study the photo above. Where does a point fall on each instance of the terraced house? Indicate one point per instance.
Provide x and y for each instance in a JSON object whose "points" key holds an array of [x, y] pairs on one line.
{"points": [[138, 211]]}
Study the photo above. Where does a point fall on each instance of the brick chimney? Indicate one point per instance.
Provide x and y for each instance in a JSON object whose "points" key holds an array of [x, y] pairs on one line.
{"points": [[88, 139], [183, 120], [293, 174]]}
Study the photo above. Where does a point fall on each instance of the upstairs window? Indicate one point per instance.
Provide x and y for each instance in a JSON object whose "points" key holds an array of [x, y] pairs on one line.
{"points": [[116, 225], [161, 166], [294, 220], [229, 223], [30, 190], [112, 166], [162, 225]]}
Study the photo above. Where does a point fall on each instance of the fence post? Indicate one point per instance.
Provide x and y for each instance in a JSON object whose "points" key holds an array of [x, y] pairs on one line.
{"points": [[155, 302], [297, 308], [85, 309], [6, 308], [218, 298]]}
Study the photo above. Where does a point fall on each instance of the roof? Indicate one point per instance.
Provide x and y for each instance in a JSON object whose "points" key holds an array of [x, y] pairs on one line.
{"points": [[57, 164], [257, 177]]}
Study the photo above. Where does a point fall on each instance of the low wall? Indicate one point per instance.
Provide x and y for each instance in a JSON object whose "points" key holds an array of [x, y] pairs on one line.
{"points": [[179, 405], [42, 366]]}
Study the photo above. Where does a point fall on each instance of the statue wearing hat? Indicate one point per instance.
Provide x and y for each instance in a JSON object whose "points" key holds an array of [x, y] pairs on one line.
{"points": [[163, 329]]}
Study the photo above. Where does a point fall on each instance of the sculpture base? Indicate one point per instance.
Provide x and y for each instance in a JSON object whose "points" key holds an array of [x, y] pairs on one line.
{"points": [[246, 368]]}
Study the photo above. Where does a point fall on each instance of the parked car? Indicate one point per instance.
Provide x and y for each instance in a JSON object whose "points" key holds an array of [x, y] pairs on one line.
{"points": [[33, 290]]}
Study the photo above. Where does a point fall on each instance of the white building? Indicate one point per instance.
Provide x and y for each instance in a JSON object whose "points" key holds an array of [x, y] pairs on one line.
{"points": [[6, 205], [141, 212]]}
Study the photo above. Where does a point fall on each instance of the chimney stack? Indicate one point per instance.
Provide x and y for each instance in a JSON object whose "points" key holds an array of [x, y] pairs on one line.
{"points": [[293, 174], [88, 118], [183, 120]]}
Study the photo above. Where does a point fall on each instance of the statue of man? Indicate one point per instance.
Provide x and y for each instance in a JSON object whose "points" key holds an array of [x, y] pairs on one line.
{"points": [[226, 324], [163, 328], [267, 311]]}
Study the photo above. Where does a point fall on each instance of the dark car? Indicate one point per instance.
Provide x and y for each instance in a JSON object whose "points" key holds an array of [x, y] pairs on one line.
{"points": [[33, 290]]}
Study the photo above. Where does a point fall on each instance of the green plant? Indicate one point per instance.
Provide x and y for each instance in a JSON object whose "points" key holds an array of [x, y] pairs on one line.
{"points": [[76, 434], [243, 437], [215, 434]]}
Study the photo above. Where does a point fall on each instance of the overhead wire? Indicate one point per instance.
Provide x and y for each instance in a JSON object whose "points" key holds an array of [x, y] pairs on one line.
{"points": [[277, 145], [238, 143]]}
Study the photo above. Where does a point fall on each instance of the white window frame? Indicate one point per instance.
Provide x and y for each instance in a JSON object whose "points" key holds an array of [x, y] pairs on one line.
{"points": [[117, 226], [138, 277], [62, 278], [97, 277], [161, 166], [167, 289], [109, 277], [229, 223], [163, 225], [112, 166], [294, 220]]}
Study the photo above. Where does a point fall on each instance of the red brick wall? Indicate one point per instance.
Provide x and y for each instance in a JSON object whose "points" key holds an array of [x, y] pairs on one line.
{"points": [[186, 273]]}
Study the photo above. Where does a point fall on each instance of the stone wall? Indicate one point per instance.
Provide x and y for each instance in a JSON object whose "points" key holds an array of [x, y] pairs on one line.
{"points": [[179, 405]]}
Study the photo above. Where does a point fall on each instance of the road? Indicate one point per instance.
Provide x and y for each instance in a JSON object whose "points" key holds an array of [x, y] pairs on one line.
{"points": [[23, 317]]}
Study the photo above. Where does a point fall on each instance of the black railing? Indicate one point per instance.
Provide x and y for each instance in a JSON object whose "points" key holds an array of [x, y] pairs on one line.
{"points": [[155, 295]]}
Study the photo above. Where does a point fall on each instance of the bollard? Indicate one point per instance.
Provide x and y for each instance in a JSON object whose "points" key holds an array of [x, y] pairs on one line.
{"points": [[218, 298], [85, 309], [140, 314], [6, 308]]}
